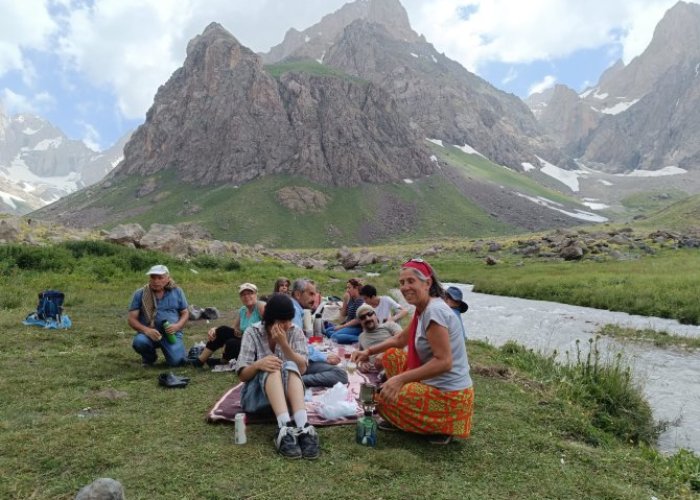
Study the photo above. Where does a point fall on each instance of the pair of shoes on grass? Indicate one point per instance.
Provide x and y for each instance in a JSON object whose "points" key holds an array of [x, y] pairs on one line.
{"points": [[210, 362], [298, 442]]}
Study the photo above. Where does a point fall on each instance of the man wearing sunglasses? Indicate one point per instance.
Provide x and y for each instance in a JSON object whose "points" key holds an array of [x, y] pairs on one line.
{"points": [[373, 332]]}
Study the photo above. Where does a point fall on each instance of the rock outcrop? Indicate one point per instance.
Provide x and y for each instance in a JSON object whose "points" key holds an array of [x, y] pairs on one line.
{"points": [[441, 98], [222, 118]]}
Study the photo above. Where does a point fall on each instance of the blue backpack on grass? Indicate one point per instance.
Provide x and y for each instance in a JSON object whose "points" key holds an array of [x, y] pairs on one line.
{"points": [[49, 311], [50, 305]]}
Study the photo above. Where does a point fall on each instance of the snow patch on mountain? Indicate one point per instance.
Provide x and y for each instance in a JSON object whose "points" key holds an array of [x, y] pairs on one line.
{"points": [[567, 177], [670, 170], [553, 205]]}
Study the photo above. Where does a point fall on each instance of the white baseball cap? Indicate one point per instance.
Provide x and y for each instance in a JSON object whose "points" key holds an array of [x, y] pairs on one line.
{"points": [[247, 286], [159, 269]]}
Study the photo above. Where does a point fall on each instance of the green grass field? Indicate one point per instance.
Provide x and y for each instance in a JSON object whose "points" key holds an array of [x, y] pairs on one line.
{"points": [[245, 214], [77, 405]]}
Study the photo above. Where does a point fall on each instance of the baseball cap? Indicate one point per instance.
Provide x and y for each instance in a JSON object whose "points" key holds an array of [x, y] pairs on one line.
{"points": [[247, 286], [158, 269]]}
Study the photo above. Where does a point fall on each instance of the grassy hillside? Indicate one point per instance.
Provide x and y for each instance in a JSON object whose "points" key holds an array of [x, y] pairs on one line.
{"points": [[682, 215], [252, 213], [478, 167], [77, 405]]}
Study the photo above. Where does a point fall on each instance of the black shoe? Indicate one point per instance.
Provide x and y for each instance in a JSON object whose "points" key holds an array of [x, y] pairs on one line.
{"points": [[170, 380], [286, 442], [212, 362], [308, 441], [195, 362], [194, 352]]}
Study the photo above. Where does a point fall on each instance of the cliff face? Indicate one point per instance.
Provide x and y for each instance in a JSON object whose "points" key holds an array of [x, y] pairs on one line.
{"points": [[222, 118], [441, 98], [315, 41], [350, 132], [642, 116], [566, 117], [651, 105], [219, 118], [373, 40]]}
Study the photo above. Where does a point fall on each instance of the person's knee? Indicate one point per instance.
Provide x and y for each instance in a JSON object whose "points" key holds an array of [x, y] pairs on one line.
{"points": [[141, 342], [273, 379]]}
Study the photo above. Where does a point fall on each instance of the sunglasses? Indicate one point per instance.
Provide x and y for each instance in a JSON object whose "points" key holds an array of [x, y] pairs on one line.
{"points": [[365, 316]]}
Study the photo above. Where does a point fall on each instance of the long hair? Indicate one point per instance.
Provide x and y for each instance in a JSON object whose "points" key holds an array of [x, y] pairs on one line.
{"points": [[281, 281]]}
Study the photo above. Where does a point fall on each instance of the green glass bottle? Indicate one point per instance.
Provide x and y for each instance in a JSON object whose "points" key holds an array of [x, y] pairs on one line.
{"points": [[366, 430], [170, 337]]}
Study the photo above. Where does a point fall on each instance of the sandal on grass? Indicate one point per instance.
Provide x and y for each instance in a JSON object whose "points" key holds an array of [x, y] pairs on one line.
{"points": [[440, 439]]}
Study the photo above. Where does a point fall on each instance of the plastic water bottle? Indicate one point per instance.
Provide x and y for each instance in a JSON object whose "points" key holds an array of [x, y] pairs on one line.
{"points": [[318, 325], [307, 322], [239, 436], [366, 430], [170, 337]]}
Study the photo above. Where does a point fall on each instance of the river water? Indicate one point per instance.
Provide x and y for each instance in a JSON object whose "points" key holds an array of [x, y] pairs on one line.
{"points": [[669, 377]]}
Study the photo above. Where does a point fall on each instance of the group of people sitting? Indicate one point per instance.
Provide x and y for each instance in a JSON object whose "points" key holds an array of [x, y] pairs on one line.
{"points": [[427, 389]]}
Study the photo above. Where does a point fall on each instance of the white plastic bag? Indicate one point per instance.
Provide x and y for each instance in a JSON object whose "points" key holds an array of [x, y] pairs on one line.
{"points": [[334, 403]]}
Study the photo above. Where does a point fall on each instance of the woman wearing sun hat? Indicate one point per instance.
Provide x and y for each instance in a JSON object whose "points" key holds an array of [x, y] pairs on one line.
{"points": [[230, 338], [428, 389]]}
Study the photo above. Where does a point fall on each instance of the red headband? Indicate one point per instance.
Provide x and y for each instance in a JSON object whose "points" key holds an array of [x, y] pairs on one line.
{"points": [[419, 265]]}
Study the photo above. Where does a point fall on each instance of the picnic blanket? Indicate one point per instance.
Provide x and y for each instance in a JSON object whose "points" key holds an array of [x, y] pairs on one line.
{"points": [[229, 404], [49, 323]]}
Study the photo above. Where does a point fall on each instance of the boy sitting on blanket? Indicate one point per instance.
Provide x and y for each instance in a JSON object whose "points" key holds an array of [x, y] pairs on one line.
{"points": [[272, 360]]}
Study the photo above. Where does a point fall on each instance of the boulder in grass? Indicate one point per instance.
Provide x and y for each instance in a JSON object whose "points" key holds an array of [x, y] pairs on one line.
{"points": [[103, 488]]}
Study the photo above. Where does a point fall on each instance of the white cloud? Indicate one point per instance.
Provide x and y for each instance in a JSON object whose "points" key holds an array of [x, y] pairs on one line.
{"points": [[91, 136], [547, 82], [29, 26], [133, 46], [13, 102], [513, 31], [512, 75]]}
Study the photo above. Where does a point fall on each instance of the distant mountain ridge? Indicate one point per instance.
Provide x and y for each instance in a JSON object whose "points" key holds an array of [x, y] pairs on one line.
{"points": [[439, 96], [39, 163], [643, 116]]}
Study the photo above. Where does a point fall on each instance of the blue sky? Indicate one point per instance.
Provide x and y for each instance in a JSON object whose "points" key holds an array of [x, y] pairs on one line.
{"points": [[92, 67]]}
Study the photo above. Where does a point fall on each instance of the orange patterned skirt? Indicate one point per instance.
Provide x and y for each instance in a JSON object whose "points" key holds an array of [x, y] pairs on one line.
{"points": [[423, 409]]}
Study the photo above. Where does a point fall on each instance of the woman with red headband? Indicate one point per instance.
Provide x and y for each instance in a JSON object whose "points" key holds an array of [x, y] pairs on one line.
{"points": [[428, 390]]}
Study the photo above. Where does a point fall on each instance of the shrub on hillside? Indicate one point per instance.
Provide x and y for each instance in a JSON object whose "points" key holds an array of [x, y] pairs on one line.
{"points": [[35, 258], [211, 262], [98, 248], [616, 402]]}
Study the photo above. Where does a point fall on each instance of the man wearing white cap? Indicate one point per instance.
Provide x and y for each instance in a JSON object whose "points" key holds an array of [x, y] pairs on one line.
{"points": [[158, 313]]}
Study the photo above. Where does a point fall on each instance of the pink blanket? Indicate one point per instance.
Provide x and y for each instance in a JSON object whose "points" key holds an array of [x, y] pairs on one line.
{"points": [[229, 404]]}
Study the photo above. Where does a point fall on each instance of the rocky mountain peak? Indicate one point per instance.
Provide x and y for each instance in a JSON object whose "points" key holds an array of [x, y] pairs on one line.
{"points": [[676, 41], [314, 42], [222, 118]]}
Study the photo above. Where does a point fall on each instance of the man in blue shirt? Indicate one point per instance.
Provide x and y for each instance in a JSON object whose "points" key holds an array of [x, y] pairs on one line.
{"points": [[321, 371], [158, 313]]}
